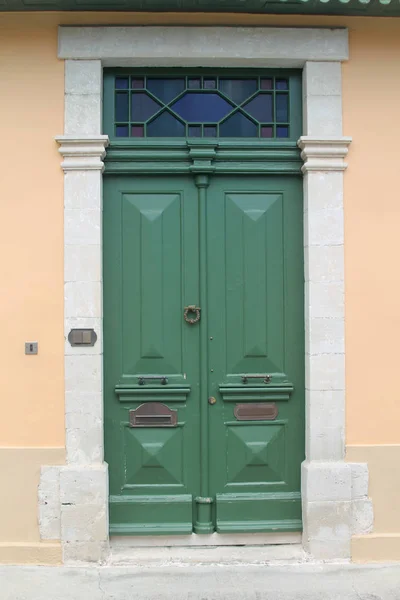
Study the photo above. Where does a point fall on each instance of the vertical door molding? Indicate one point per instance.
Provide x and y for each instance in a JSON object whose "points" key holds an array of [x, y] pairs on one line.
{"points": [[331, 488]]}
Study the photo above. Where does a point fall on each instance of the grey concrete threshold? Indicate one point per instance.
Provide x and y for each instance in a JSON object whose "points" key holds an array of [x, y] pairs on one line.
{"points": [[214, 539], [205, 556], [211, 582]]}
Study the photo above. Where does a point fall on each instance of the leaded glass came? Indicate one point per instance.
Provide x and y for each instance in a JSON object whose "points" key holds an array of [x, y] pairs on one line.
{"points": [[200, 106]]}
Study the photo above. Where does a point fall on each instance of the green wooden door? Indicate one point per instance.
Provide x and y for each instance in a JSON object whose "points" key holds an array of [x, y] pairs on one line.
{"points": [[150, 273], [255, 329], [204, 421]]}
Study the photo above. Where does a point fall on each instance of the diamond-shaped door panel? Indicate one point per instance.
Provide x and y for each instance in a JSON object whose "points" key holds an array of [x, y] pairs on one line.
{"points": [[153, 457], [256, 454]]}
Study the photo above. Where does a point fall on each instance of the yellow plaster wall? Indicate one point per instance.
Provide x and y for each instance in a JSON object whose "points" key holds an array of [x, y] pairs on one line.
{"points": [[31, 260], [31, 234], [19, 533]]}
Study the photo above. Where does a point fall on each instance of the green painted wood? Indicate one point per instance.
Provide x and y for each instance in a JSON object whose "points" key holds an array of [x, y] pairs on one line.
{"points": [[169, 157], [256, 326], [233, 244], [150, 273], [203, 523], [318, 7]]}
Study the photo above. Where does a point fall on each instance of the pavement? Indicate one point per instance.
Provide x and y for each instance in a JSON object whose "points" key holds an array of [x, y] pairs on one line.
{"points": [[205, 574]]}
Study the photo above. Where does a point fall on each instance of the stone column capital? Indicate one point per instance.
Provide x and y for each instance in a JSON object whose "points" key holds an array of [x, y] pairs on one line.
{"points": [[324, 154], [82, 153]]}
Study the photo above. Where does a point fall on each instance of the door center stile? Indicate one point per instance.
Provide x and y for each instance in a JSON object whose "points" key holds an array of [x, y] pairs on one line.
{"points": [[203, 520]]}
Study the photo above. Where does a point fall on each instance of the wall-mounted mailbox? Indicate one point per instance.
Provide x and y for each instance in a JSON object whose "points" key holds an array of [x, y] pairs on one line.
{"points": [[82, 337]]}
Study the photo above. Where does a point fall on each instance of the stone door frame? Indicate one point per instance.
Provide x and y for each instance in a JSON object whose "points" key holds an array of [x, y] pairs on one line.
{"points": [[73, 499]]}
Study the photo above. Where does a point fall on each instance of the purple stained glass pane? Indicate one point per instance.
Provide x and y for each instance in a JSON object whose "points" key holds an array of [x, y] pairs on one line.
{"points": [[164, 88], [143, 107], [194, 84], [197, 107], [137, 131], [122, 131], [210, 131], [194, 130], [266, 84], [281, 84], [238, 89], [137, 84], [166, 125], [267, 131], [238, 126], [282, 131], [282, 108], [121, 83], [121, 106], [260, 107], [209, 84]]}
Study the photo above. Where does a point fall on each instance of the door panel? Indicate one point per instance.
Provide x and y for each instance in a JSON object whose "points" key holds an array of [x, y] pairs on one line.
{"points": [[255, 325], [254, 238], [150, 274]]}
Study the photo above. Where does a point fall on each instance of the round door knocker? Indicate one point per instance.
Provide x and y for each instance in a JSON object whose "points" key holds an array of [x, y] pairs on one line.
{"points": [[192, 309]]}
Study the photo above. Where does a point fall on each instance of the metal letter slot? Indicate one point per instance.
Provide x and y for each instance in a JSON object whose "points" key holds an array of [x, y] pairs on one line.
{"points": [[265, 378], [257, 411], [153, 414], [143, 378]]}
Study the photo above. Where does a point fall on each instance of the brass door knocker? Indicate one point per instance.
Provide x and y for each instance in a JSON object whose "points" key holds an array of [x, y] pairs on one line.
{"points": [[192, 308]]}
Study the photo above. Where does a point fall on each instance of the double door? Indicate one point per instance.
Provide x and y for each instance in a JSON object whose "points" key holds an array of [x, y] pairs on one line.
{"points": [[203, 353]]}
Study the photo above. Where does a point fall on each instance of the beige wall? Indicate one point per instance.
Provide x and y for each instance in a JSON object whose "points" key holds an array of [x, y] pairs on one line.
{"points": [[31, 234], [19, 534], [31, 260]]}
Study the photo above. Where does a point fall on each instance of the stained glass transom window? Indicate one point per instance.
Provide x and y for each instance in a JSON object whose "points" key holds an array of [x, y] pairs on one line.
{"points": [[202, 106]]}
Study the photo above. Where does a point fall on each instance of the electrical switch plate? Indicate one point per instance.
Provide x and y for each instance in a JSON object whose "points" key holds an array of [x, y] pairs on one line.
{"points": [[31, 347]]}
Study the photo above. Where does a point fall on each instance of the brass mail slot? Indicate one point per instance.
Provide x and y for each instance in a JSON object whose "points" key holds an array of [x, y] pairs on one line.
{"points": [[152, 414], [256, 411]]}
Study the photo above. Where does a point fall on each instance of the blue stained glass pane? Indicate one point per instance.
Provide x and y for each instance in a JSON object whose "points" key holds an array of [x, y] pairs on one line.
{"points": [[260, 107], [238, 89], [143, 107], [121, 107], [238, 126], [165, 89], [194, 84], [281, 84], [210, 84], [195, 106], [195, 130], [121, 83], [122, 131], [165, 125], [282, 131], [210, 131], [282, 112]]}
